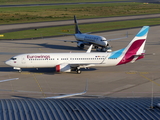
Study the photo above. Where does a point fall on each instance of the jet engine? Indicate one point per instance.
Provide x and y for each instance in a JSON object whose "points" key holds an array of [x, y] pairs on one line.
{"points": [[80, 45], [63, 68]]}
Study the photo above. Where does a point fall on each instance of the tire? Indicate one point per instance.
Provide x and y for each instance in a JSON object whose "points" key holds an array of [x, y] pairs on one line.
{"points": [[78, 71]]}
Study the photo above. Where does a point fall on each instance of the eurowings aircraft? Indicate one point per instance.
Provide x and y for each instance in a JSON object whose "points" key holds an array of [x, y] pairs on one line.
{"points": [[65, 62], [99, 42]]}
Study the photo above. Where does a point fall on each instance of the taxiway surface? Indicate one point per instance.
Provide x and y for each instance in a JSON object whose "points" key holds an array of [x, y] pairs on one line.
{"points": [[131, 80]]}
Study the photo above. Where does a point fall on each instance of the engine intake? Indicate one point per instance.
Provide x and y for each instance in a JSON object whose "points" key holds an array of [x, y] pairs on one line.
{"points": [[80, 45], [63, 68]]}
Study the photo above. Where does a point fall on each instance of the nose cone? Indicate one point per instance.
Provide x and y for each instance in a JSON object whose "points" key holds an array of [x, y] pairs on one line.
{"points": [[105, 43], [8, 62]]}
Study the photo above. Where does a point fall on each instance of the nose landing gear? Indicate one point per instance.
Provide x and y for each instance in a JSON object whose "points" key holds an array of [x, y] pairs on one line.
{"points": [[17, 69]]}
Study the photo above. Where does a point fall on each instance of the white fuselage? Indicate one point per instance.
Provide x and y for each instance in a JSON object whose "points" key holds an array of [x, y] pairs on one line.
{"points": [[94, 39], [42, 60], [64, 62]]}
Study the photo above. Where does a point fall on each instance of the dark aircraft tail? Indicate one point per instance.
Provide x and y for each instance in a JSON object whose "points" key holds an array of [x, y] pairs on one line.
{"points": [[77, 31]]}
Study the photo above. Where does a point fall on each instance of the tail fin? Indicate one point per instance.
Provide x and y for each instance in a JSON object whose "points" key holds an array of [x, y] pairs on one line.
{"points": [[137, 44], [77, 31], [135, 49]]}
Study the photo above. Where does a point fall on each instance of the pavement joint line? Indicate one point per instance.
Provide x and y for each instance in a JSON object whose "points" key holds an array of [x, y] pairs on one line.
{"points": [[30, 73], [40, 49], [135, 72], [38, 73], [38, 85], [149, 79], [25, 73]]}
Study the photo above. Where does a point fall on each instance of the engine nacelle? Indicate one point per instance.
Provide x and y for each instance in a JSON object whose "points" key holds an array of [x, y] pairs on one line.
{"points": [[63, 68], [80, 45]]}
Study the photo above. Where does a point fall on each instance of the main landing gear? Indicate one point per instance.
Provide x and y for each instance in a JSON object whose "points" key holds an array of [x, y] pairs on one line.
{"points": [[78, 70], [81, 46], [103, 49]]}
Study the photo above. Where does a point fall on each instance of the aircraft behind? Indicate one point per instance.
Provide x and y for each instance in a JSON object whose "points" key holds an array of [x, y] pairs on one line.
{"points": [[65, 62], [100, 43]]}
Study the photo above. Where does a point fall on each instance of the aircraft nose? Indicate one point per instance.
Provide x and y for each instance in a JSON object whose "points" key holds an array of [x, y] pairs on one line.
{"points": [[8, 62], [105, 43]]}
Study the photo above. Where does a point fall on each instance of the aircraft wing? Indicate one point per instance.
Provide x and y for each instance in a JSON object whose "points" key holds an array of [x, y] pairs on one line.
{"points": [[70, 95], [72, 41], [54, 97], [65, 96], [84, 65], [119, 38], [9, 79]]}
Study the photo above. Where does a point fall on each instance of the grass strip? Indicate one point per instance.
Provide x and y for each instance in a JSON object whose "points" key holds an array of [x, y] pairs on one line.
{"points": [[54, 31], [12, 15], [18, 2]]}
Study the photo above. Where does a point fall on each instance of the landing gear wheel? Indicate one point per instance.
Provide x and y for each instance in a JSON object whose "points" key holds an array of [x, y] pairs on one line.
{"points": [[78, 71], [103, 49], [95, 47], [98, 49]]}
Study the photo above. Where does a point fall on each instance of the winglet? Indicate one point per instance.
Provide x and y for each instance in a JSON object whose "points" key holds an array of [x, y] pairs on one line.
{"points": [[89, 49]]}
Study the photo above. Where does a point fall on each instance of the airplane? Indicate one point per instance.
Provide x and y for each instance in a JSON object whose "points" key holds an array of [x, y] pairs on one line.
{"points": [[100, 43], [65, 62]]}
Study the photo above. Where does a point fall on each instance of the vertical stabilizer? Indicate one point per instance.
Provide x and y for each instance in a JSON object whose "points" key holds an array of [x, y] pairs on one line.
{"points": [[77, 31], [135, 49], [138, 42]]}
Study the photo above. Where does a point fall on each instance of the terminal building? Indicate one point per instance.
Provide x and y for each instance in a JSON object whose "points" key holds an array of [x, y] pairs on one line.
{"points": [[80, 109]]}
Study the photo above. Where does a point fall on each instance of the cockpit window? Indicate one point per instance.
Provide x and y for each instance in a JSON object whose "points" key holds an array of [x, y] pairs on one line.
{"points": [[13, 58]]}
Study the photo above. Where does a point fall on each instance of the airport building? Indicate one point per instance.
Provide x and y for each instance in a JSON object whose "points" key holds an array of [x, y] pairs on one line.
{"points": [[80, 109]]}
